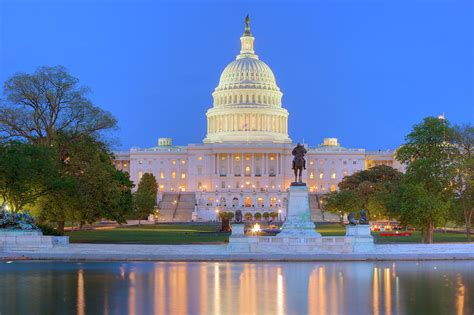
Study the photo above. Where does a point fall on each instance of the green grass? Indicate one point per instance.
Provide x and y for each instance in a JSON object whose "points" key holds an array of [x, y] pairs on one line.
{"points": [[151, 234], [189, 234]]}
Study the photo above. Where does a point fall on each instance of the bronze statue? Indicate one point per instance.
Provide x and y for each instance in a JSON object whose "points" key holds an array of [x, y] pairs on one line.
{"points": [[247, 26], [299, 163], [238, 216], [351, 218], [363, 217]]}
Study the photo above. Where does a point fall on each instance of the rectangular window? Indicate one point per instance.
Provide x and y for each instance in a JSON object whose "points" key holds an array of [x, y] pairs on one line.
{"points": [[199, 170], [183, 175], [173, 174]]}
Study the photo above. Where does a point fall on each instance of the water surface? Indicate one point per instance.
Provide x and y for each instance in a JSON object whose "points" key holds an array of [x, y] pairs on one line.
{"points": [[236, 288]]}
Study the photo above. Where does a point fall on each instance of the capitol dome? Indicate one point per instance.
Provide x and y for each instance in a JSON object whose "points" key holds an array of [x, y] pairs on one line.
{"points": [[247, 101]]}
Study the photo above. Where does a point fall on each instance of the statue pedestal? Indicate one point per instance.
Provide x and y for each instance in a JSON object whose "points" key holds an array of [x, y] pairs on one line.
{"points": [[238, 243], [298, 221], [362, 240]]}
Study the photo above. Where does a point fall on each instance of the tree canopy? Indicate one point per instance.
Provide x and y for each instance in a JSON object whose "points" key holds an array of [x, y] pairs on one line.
{"points": [[145, 196], [38, 106]]}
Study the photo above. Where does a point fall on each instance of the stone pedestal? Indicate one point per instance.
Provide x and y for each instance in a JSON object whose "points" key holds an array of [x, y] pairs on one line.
{"points": [[298, 221], [362, 240], [238, 243], [22, 239]]}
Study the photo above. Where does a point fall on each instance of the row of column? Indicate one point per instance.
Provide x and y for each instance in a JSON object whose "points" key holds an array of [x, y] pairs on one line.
{"points": [[231, 162], [240, 99], [247, 122]]}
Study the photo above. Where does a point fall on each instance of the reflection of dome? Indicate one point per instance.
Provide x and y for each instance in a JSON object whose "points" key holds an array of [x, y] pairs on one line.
{"points": [[247, 101]]}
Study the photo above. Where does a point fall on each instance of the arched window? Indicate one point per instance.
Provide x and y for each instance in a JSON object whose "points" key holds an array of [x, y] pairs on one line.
{"points": [[235, 202], [222, 202]]}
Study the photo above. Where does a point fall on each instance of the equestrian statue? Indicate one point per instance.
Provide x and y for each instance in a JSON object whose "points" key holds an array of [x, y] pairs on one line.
{"points": [[299, 164]]}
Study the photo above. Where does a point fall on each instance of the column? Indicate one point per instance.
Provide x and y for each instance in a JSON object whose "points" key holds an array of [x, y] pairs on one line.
{"points": [[242, 169], [252, 171], [228, 164]]}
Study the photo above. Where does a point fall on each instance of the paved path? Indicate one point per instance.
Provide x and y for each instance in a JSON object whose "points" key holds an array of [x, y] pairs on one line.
{"points": [[445, 251]]}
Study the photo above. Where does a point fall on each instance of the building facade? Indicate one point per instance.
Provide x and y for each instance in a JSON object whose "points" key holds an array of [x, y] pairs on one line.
{"points": [[245, 159]]}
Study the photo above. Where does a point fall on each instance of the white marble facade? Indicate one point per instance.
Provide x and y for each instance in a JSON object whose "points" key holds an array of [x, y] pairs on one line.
{"points": [[245, 159]]}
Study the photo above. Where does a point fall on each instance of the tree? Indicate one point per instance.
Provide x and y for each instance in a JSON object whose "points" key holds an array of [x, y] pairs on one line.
{"points": [[266, 215], [342, 202], [145, 196], [428, 157], [257, 216], [27, 172], [368, 189], [463, 183], [225, 221], [48, 102], [92, 187], [248, 216]]}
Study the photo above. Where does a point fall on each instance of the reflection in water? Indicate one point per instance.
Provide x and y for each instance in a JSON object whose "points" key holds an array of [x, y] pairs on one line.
{"points": [[245, 288]]}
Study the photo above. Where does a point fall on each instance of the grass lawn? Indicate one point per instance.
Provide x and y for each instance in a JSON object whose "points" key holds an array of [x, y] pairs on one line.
{"points": [[151, 234], [188, 234], [338, 230]]}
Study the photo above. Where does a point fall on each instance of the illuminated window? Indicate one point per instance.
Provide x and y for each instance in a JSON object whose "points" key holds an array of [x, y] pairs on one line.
{"points": [[311, 175], [140, 174], [162, 187], [247, 158], [271, 158], [333, 187], [333, 175], [237, 158], [345, 173], [183, 175], [273, 201], [183, 162], [260, 201], [162, 175], [248, 202], [124, 164], [173, 174], [321, 175], [173, 162], [140, 162], [199, 158], [223, 158], [311, 162], [199, 185]]}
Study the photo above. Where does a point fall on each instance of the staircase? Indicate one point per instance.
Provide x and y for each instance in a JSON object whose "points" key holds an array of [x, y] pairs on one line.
{"points": [[177, 207], [316, 213]]}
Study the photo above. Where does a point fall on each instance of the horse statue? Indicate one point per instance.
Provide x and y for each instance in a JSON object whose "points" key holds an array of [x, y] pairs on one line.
{"points": [[299, 163]]}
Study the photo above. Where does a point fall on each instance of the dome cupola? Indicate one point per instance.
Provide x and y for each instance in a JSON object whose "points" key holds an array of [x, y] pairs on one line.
{"points": [[247, 101]]}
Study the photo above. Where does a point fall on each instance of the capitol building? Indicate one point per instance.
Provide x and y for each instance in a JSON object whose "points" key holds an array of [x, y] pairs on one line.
{"points": [[245, 159]]}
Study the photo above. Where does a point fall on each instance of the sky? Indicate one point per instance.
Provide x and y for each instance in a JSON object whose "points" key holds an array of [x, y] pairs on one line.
{"points": [[362, 71]]}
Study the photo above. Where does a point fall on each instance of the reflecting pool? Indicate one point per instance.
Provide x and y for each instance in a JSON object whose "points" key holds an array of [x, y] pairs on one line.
{"points": [[29, 287]]}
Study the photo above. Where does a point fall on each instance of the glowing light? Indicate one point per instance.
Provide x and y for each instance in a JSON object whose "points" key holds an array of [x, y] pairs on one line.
{"points": [[256, 228]]}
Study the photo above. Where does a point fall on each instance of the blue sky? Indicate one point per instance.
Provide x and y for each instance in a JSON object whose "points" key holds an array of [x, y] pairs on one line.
{"points": [[362, 71]]}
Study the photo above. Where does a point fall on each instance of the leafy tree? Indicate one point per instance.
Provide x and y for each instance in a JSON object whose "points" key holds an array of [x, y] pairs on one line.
{"points": [[145, 196], [92, 187], [257, 216], [274, 215], [27, 172], [463, 183], [48, 102], [266, 215], [248, 216], [225, 221], [342, 202], [368, 189], [428, 157]]}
